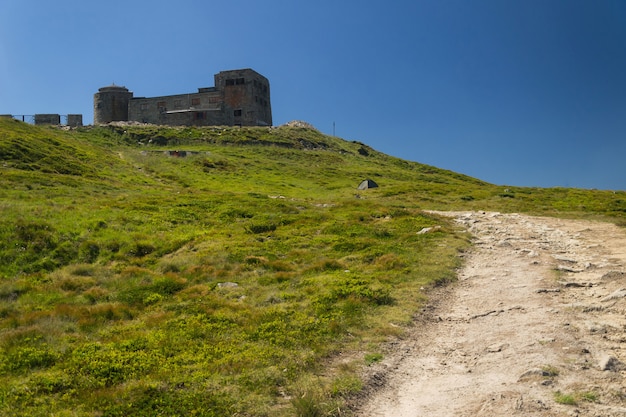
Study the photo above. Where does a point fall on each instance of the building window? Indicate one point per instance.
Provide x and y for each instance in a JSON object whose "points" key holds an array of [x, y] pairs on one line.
{"points": [[236, 81], [161, 106], [195, 101], [178, 104], [199, 115], [143, 106], [237, 113], [214, 99]]}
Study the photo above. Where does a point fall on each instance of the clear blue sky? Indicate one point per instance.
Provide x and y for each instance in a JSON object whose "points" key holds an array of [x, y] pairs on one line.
{"points": [[524, 92]]}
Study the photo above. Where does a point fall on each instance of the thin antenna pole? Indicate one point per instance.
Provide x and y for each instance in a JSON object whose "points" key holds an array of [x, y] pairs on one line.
{"points": [[333, 128]]}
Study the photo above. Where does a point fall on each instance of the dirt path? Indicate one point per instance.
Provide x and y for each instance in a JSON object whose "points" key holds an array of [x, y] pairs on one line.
{"points": [[540, 308]]}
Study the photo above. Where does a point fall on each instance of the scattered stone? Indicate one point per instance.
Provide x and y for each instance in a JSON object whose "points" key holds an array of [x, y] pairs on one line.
{"points": [[564, 259], [531, 373], [590, 308], [497, 347], [595, 328], [300, 123], [576, 284], [610, 363], [566, 268], [528, 252], [613, 276], [227, 285], [428, 230], [621, 293], [488, 313], [542, 290]]}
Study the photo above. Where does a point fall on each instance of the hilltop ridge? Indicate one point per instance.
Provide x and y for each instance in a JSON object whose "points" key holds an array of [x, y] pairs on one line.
{"points": [[220, 271]]}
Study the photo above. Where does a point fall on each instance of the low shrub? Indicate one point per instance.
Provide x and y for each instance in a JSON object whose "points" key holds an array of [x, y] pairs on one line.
{"points": [[77, 283], [372, 358], [360, 288], [97, 365], [257, 228], [27, 358], [140, 249], [88, 251], [567, 399], [325, 264]]}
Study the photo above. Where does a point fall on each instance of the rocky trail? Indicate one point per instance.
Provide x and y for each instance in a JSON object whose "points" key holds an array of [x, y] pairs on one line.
{"points": [[535, 326]]}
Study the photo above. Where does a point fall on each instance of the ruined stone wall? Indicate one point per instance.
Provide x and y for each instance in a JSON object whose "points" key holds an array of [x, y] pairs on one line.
{"points": [[48, 119], [74, 120], [71, 120]]}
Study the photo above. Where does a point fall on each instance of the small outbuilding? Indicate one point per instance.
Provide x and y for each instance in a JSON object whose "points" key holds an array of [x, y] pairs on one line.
{"points": [[365, 184]]}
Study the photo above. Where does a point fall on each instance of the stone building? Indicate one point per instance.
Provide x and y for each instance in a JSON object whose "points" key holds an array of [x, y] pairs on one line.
{"points": [[239, 98]]}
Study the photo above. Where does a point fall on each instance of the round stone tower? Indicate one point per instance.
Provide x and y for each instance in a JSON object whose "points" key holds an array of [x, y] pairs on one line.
{"points": [[110, 104]]}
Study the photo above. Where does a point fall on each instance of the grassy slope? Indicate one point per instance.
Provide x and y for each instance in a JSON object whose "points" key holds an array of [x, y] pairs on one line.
{"points": [[132, 283]]}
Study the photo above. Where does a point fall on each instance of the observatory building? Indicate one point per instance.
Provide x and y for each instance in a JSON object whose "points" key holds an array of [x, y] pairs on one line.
{"points": [[239, 98]]}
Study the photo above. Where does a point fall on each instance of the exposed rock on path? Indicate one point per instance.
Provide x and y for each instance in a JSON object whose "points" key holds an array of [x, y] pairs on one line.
{"points": [[539, 309]]}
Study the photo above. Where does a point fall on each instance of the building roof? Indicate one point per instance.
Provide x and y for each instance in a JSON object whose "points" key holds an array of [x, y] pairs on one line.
{"points": [[112, 88]]}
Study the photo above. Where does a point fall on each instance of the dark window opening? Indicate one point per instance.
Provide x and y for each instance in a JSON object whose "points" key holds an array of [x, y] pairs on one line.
{"points": [[195, 101], [237, 113], [199, 115], [161, 106], [236, 81]]}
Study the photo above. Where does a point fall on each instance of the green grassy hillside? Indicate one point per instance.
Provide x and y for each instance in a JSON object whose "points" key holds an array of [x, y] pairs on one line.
{"points": [[224, 282]]}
